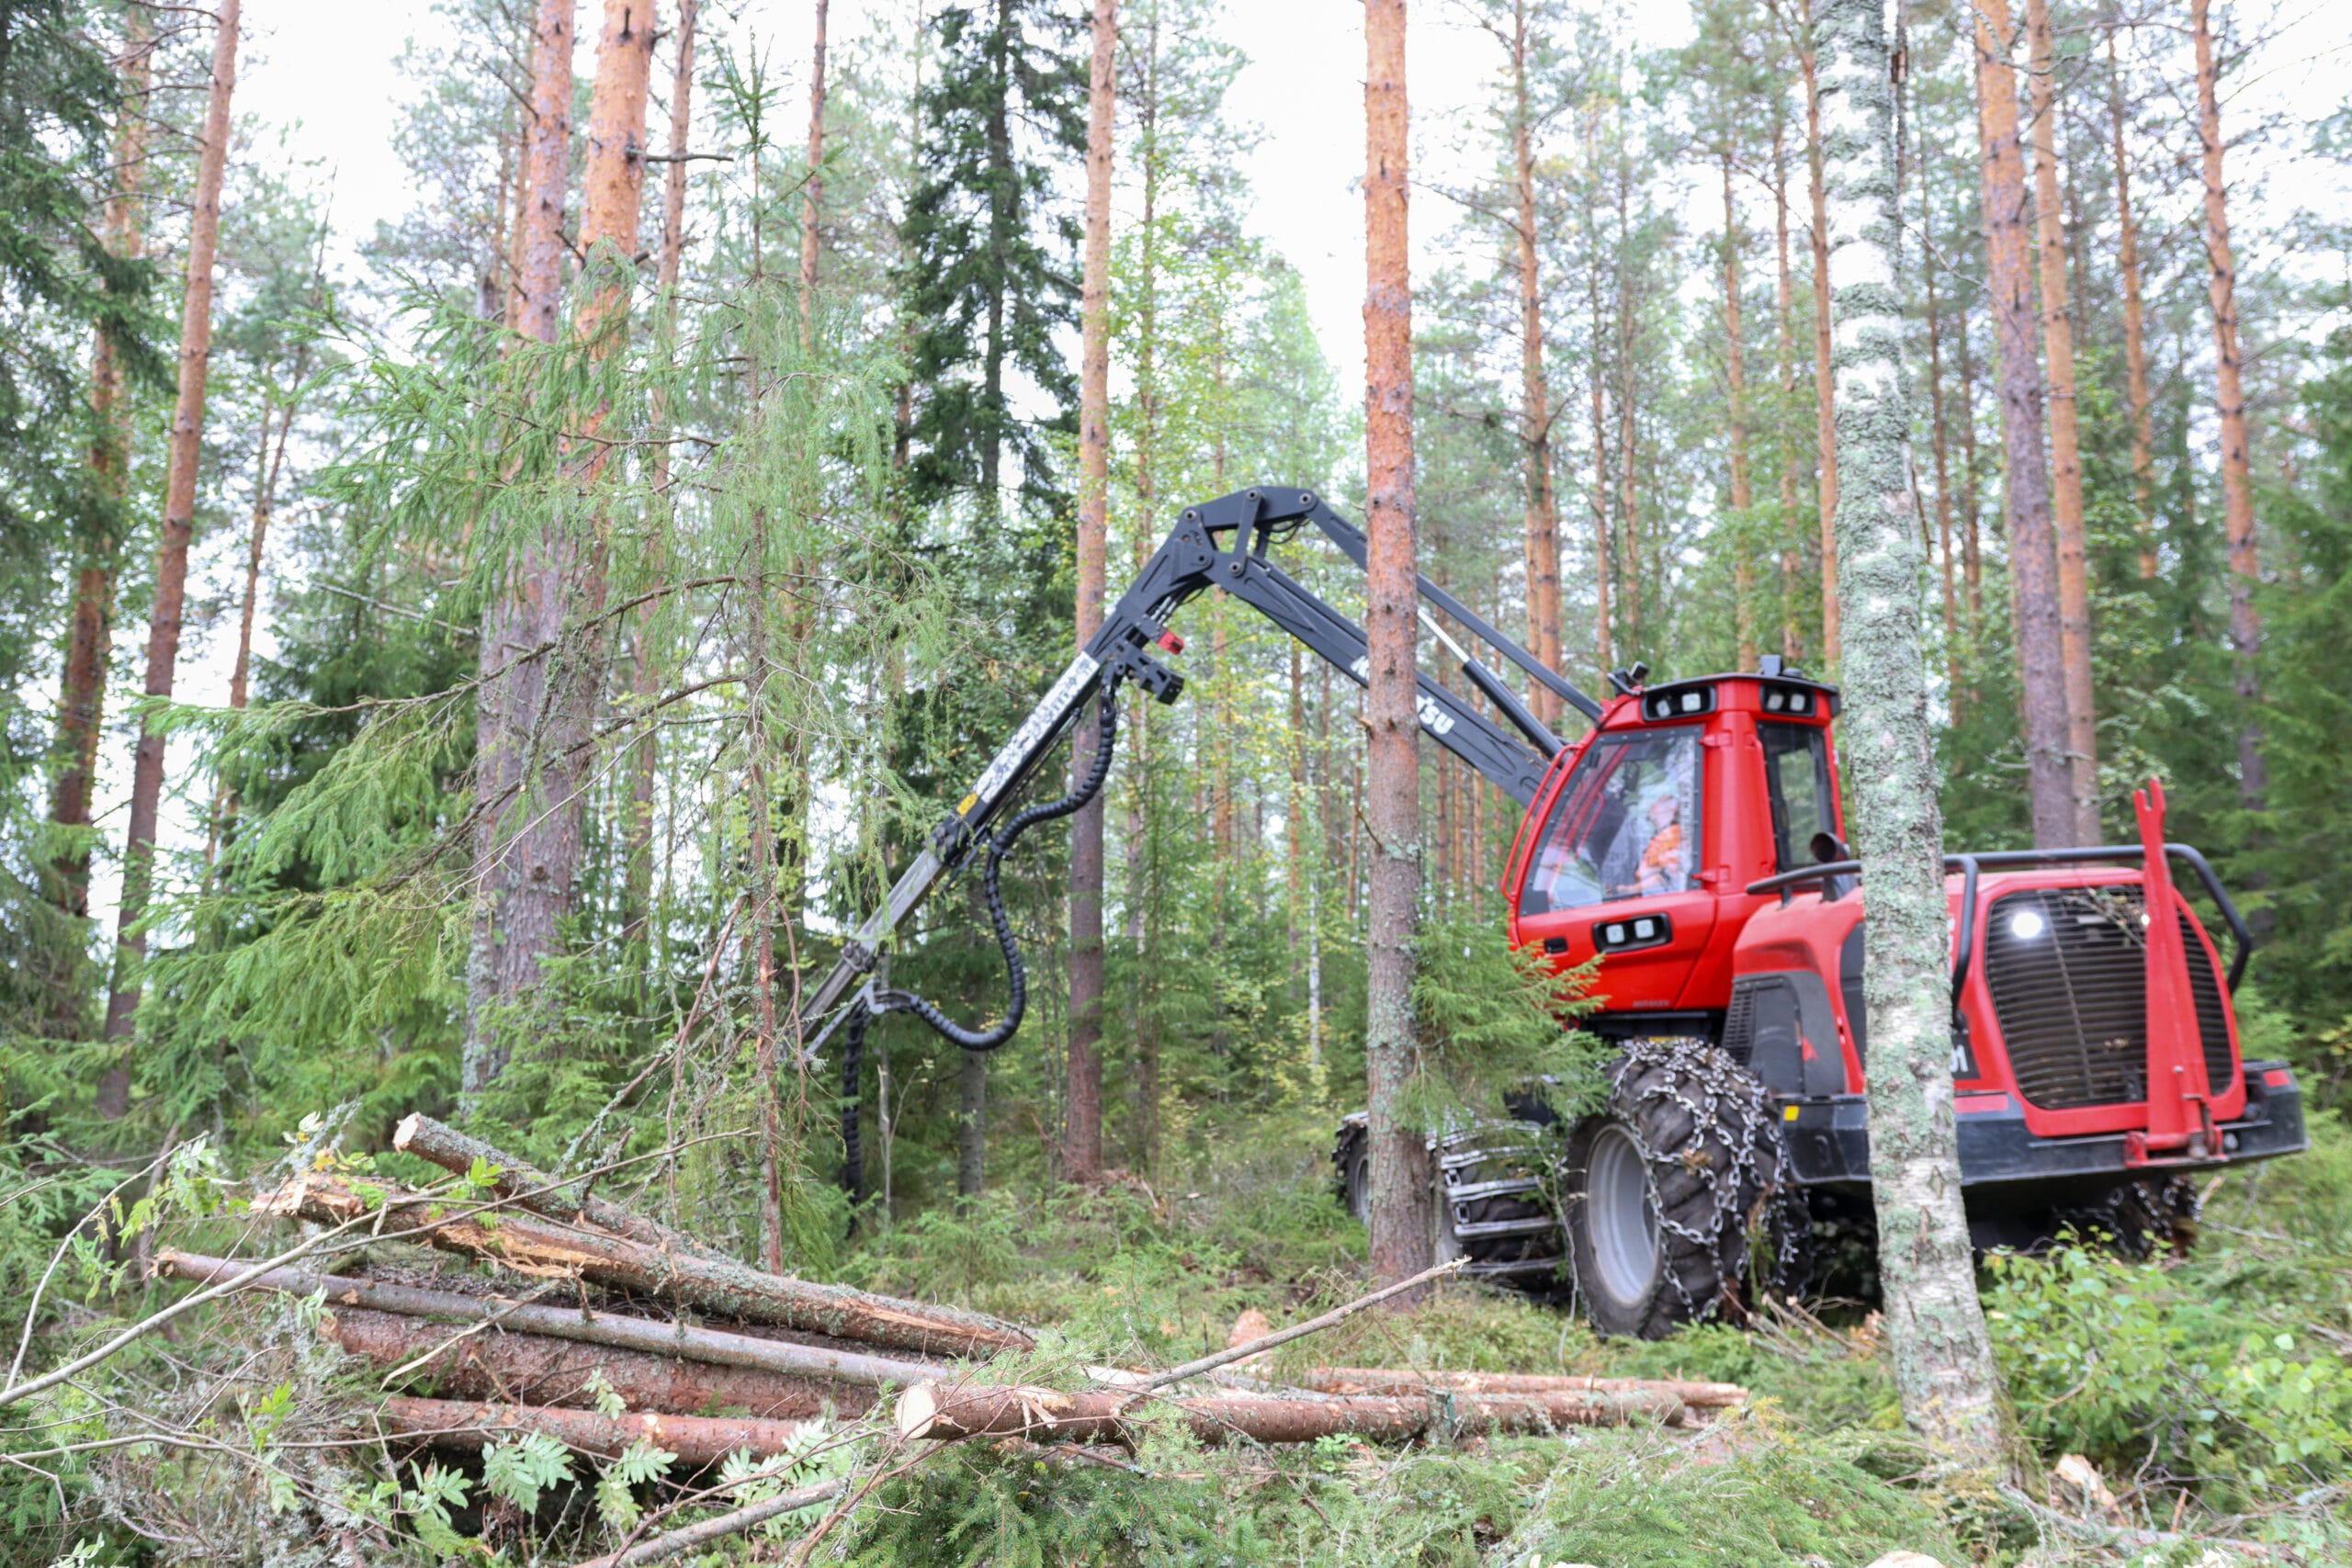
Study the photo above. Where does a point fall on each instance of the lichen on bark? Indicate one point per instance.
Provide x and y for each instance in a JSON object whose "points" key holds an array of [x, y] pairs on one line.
{"points": [[1943, 1364]]}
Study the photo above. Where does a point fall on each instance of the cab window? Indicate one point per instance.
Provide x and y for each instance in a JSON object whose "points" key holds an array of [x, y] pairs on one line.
{"points": [[1796, 777], [1625, 826]]}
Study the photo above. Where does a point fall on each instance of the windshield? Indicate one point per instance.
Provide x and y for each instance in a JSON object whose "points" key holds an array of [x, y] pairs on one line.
{"points": [[1796, 774], [1625, 824]]}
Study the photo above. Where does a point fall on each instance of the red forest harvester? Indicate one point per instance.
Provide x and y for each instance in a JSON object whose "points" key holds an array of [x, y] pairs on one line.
{"points": [[1694, 840]]}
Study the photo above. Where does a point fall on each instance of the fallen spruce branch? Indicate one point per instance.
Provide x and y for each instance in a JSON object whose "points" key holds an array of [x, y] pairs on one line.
{"points": [[940, 1412], [712, 1345], [1391, 1381], [532, 1246], [535, 1370], [1263, 1343], [567, 1202], [686, 1538], [696, 1440]]}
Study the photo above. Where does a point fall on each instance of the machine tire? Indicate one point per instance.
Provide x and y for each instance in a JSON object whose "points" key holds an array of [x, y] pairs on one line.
{"points": [[1662, 1186], [1351, 1162]]}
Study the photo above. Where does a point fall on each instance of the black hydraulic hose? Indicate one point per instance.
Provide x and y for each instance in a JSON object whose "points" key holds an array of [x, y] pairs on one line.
{"points": [[1016, 976]]}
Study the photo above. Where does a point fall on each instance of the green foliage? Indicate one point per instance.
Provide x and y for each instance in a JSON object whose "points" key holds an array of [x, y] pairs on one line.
{"points": [[1490, 1017], [519, 1468]]}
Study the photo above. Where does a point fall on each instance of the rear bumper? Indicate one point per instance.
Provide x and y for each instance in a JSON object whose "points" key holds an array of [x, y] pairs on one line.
{"points": [[2003, 1163]]}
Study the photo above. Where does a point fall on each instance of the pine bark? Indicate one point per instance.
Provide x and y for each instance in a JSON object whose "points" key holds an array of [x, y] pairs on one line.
{"points": [[1542, 523], [1825, 406], [1401, 1238], [527, 846], [1736, 373], [2135, 330], [1082, 1103], [812, 192], [720, 1286], [695, 1439], [2228, 399], [187, 448], [97, 537], [831, 1360], [1941, 1353], [2025, 490], [2065, 443], [1931, 262], [938, 1412], [539, 1369], [1784, 300]]}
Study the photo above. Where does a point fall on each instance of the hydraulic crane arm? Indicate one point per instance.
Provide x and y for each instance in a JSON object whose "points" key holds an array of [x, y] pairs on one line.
{"points": [[1221, 544]]}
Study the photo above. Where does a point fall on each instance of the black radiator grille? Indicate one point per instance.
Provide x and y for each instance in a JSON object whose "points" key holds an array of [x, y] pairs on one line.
{"points": [[2071, 1001]]}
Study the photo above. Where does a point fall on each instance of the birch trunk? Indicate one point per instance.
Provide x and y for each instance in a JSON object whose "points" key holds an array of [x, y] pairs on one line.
{"points": [[2135, 332], [2065, 443], [171, 562], [2025, 490], [98, 535], [1082, 1112], [2229, 398], [1401, 1240], [1942, 1357], [527, 846]]}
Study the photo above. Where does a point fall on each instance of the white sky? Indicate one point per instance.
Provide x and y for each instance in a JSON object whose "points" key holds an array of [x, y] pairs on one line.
{"points": [[330, 68]]}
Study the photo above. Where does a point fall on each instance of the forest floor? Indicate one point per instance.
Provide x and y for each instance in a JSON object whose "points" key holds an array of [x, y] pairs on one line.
{"points": [[2208, 1393], [2182, 1412]]}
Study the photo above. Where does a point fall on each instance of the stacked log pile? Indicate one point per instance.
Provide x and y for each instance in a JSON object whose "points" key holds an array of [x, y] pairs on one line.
{"points": [[707, 1356]]}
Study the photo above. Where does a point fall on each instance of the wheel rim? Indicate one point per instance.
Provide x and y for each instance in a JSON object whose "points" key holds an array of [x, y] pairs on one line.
{"points": [[1619, 1220]]}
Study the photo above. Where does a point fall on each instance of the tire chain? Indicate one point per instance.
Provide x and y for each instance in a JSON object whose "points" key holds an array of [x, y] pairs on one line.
{"points": [[1717, 1093]]}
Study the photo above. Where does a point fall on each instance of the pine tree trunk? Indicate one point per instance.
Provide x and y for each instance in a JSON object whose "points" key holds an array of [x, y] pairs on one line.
{"points": [[1605, 555], [171, 562], [527, 846], [971, 1123], [2229, 397], [97, 531], [2065, 446], [1535, 415], [1736, 373], [1931, 262], [645, 675], [2135, 334], [1629, 530], [1082, 1114], [269, 459], [1971, 515], [1941, 1353], [2025, 490], [1140, 1025], [1401, 1238], [812, 192], [1825, 404], [1784, 300]]}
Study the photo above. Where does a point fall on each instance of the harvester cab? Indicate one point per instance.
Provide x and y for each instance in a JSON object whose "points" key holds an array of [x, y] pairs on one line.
{"points": [[1692, 842]]}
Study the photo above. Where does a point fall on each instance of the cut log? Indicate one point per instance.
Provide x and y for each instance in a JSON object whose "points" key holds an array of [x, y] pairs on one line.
{"points": [[696, 1440], [944, 1411], [569, 1202], [532, 1246], [713, 1346], [1388, 1381], [535, 1370]]}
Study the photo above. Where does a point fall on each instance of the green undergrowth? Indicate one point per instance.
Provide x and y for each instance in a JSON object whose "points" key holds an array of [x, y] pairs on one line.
{"points": [[1625, 1499]]}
